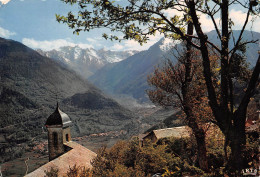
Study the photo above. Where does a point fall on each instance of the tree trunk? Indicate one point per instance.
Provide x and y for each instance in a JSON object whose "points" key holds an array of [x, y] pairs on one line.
{"points": [[237, 135], [187, 105], [200, 138], [236, 161], [237, 143], [202, 151], [237, 140]]}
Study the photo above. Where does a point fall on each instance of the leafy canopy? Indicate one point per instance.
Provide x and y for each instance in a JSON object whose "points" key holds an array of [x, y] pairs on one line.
{"points": [[137, 20]]}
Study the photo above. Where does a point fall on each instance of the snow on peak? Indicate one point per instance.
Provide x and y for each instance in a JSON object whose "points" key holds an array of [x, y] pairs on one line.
{"points": [[76, 55], [113, 59], [77, 52], [167, 44]]}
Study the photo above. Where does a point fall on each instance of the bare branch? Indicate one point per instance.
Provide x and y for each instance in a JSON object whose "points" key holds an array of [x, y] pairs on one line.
{"points": [[213, 20], [241, 32], [254, 81], [213, 45]]}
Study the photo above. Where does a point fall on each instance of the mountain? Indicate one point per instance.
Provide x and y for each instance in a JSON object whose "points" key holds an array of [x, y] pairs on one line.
{"points": [[86, 61], [30, 87], [130, 75]]}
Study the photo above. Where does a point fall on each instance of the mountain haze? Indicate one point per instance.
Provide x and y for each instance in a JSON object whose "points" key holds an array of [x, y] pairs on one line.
{"points": [[129, 76]]}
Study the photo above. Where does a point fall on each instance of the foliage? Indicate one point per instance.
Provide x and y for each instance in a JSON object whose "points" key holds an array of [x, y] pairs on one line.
{"points": [[167, 84], [252, 150], [181, 147], [130, 159], [75, 171], [170, 157], [78, 171], [53, 172]]}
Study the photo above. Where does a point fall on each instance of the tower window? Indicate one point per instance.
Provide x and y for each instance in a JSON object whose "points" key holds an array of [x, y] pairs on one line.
{"points": [[67, 137], [55, 139]]}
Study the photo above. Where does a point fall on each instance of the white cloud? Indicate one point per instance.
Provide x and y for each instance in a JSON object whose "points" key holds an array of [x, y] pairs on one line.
{"points": [[134, 45], [239, 17], [4, 1], [206, 22], [117, 47], [95, 41], [6, 33], [91, 39], [53, 44], [172, 12]]}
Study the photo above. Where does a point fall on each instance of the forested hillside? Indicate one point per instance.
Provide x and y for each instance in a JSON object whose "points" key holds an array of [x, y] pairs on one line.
{"points": [[31, 85]]}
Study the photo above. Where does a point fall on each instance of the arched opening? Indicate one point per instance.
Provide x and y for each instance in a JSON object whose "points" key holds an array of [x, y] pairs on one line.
{"points": [[55, 139], [67, 137]]}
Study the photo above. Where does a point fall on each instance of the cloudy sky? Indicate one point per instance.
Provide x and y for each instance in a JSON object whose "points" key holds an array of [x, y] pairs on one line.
{"points": [[33, 23]]}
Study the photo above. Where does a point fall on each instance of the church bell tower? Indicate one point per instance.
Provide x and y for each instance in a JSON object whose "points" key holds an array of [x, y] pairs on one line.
{"points": [[58, 127]]}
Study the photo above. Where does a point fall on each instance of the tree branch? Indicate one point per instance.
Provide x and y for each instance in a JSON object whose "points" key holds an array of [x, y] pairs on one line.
{"points": [[213, 20], [242, 31], [206, 62], [213, 45], [254, 81]]}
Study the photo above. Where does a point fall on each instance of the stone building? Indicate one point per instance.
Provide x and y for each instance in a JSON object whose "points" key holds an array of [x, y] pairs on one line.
{"points": [[177, 132], [63, 153]]}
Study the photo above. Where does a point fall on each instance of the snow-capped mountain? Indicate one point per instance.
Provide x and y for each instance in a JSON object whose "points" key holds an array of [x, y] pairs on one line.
{"points": [[86, 61]]}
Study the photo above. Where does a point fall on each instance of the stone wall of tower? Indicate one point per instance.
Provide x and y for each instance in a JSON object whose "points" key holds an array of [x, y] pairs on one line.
{"points": [[55, 144], [66, 135]]}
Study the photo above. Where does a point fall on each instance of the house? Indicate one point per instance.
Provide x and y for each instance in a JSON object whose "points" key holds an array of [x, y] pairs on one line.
{"points": [[177, 132], [63, 153]]}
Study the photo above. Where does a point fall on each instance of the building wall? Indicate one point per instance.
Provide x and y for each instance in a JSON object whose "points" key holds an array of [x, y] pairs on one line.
{"points": [[66, 132], [55, 145]]}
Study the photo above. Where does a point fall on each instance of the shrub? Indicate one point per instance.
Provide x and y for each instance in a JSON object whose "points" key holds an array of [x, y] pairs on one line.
{"points": [[78, 171], [54, 172]]}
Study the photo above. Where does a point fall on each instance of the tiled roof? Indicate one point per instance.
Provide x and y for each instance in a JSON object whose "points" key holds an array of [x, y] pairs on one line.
{"points": [[178, 132], [78, 155]]}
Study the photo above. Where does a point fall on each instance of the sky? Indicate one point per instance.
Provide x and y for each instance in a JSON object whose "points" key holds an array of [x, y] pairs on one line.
{"points": [[33, 23]]}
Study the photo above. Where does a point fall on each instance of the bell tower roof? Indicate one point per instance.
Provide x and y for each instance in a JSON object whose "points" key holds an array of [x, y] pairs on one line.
{"points": [[58, 118]]}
